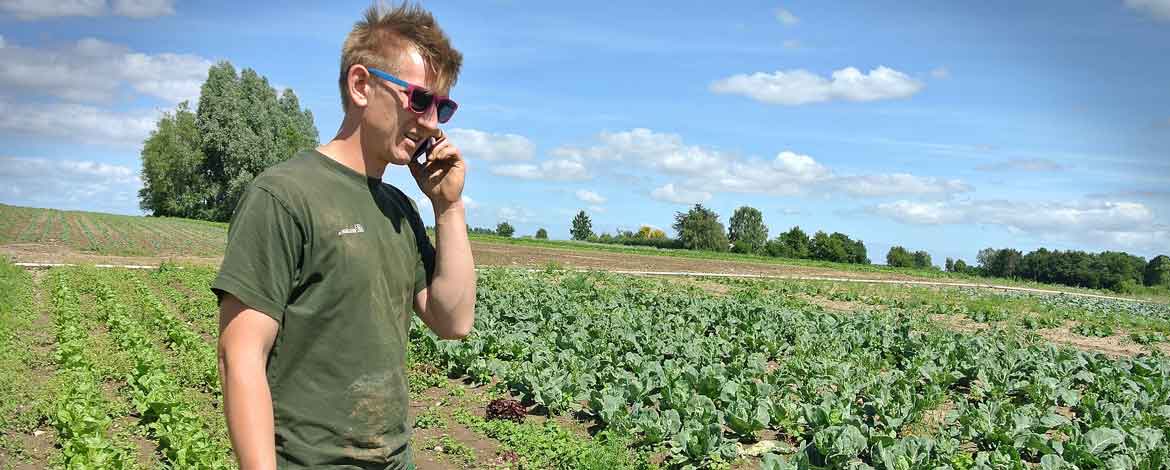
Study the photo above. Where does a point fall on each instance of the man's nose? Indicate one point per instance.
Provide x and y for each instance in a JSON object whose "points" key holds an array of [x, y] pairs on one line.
{"points": [[429, 121]]}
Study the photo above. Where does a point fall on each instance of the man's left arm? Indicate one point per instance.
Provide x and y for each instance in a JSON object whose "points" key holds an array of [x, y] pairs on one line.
{"points": [[447, 305]]}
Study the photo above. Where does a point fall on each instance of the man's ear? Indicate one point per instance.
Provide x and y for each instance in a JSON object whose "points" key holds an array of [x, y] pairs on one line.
{"points": [[358, 82]]}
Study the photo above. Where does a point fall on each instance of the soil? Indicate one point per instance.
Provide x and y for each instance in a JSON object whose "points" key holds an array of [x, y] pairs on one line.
{"points": [[38, 446]]}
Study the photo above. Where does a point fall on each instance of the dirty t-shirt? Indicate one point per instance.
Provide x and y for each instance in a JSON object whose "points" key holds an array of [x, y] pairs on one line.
{"points": [[335, 258]]}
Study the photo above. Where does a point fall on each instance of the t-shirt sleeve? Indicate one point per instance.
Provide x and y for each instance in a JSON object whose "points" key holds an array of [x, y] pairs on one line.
{"points": [[263, 255]]}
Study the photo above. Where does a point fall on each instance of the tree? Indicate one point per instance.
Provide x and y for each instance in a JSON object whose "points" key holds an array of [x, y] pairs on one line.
{"points": [[172, 181], [747, 231], [699, 229], [504, 229], [582, 228], [950, 265], [198, 164], [791, 244], [899, 257], [1157, 271], [541, 234], [837, 247], [961, 267], [922, 260]]}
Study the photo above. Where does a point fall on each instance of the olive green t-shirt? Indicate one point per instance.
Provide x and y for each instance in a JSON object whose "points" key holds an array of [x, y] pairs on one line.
{"points": [[335, 258]]}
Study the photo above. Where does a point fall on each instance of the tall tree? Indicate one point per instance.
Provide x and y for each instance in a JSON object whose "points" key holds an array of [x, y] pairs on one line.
{"points": [[746, 230], [791, 244], [541, 234], [582, 227], [504, 229], [240, 128], [699, 229], [899, 257]]}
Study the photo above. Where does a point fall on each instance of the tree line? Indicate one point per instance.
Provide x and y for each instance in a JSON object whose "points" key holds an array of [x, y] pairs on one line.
{"points": [[699, 228], [1112, 270]]}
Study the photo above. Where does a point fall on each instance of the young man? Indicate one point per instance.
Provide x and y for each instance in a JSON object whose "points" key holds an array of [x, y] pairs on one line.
{"points": [[325, 263]]}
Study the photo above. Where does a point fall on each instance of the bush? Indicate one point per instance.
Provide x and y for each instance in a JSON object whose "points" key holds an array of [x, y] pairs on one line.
{"points": [[541, 234]]}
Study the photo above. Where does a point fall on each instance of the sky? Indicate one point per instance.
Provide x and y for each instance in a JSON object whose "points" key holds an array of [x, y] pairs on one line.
{"points": [[940, 126]]}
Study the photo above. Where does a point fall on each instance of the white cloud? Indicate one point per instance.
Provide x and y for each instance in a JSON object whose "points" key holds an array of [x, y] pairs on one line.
{"points": [[674, 195], [144, 8], [597, 209], [709, 170], [1112, 223], [77, 123], [37, 9], [553, 170], [1157, 8], [481, 145], [515, 214], [786, 17], [1023, 164], [68, 184], [899, 183], [797, 87], [590, 197], [96, 70], [791, 44], [941, 73]]}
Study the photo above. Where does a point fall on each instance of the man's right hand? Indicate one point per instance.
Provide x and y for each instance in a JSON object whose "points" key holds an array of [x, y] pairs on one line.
{"points": [[245, 339]]}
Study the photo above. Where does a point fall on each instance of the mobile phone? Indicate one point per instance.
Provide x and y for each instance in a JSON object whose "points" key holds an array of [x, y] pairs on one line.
{"points": [[420, 154]]}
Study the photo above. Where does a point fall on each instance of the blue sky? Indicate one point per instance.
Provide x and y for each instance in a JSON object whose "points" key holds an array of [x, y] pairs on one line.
{"points": [[943, 126]]}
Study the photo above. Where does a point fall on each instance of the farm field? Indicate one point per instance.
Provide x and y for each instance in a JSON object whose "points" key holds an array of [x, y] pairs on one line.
{"points": [[53, 236], [115, 368]]}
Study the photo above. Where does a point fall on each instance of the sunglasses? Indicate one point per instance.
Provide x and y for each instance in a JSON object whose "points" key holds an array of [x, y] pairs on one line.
{"points": [[421, 99]]}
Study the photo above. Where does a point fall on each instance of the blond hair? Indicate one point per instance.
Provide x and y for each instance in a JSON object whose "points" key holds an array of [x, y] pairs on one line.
{"points": [[384, 34]]}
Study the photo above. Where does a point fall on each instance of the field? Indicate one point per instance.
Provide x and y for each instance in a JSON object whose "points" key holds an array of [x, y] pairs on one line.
{"points": [[115, 368]]}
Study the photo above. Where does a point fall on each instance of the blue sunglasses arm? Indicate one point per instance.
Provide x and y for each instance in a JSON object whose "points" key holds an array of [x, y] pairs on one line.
{"points": [[388, 77]]}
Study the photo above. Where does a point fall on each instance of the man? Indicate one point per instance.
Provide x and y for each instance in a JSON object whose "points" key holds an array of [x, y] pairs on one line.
{"points": [[324, 264]]}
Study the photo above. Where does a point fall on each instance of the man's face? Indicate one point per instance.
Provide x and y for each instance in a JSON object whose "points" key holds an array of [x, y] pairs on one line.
{"points": [[394, 131]]}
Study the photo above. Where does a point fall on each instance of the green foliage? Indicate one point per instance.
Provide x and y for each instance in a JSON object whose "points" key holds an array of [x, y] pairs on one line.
{"points": [[197, 164], [746, 230], [791, 244], [899, 257], [837, 247], [700, 229], [1157, 271], [582, 227], [504, 229], [1116, 271], [541, 234]]}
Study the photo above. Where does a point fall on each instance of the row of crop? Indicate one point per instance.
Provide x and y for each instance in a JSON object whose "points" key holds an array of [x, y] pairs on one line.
{"points": [[183, 436], [80, 413], [695, 374], [196, 364], [189, 290]]}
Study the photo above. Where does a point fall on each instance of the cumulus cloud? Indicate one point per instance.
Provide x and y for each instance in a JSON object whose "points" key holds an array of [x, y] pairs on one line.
{"points": [[68, 184], [516, 214], [899, 183], [590, 197], [77, 123], [481, 145], [798, 87], [1023, 164], [1114, 223], [786, 17], [709, 170], [38, 9], [469, 203], [671, 194], [552, 170], [1159, 9], [93, 70]]}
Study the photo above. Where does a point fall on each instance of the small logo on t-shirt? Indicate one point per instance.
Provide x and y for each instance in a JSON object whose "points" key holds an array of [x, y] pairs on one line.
{"points": [[355, 228]]}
